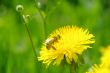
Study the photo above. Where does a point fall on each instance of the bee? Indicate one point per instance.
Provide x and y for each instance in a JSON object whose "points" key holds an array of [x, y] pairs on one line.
{"points": [[50, 41]]}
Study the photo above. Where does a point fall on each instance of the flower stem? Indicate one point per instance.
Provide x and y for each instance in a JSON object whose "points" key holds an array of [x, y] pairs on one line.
{"points": [[73, 67], [30, 37], [43, 18], [25, 19]]}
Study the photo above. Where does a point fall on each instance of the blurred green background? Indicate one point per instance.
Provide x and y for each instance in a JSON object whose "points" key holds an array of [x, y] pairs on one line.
{"points": [[16, 54]]}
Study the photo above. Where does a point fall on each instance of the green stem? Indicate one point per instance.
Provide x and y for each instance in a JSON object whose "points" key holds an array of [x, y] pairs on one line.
{"points": [[25, 20], [73, 67], [29, 33], [30, 37], [44, 19]]}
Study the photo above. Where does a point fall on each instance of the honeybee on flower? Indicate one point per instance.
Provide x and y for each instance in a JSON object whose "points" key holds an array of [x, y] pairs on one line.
{"points": [[65, 43], [50, 41]]}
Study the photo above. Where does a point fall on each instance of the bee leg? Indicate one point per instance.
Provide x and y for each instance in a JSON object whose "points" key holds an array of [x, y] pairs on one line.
{"points": [[53, 47], [48, 47]]}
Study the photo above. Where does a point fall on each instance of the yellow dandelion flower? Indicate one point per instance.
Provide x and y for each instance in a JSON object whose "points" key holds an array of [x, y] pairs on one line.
{"points": [[105, 59], [99, 69], [65, 43], [104, 66]]}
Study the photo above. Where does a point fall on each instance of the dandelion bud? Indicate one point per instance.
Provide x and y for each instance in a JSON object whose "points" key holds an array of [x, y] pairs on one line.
{"points": [[26, 18], [19, 8]]}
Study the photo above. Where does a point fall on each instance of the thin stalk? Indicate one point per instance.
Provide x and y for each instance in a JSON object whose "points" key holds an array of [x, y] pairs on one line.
{"points": [[30, 37], [44, 19], [39, 9], [73, 67], [20, 8], [29, 33]]}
